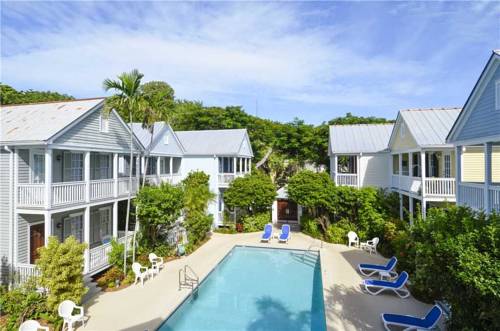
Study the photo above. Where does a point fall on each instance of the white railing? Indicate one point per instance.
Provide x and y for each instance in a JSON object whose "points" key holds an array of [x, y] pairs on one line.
{"points": [[31, 195], [406, 183], [440, 186], [152, 179], [121, 240], [347, 179], [68, 193], [123, 185], [171, 178], [99, 257], [227, 178], [472, 195], [25, 271], [494, 195], [101, 189]]}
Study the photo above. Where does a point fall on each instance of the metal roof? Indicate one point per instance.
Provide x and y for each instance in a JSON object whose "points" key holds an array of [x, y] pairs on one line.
{"points": [[39, 122], [160, 130], [359, 138], [212, 142], [429, 127], [144, 135]]}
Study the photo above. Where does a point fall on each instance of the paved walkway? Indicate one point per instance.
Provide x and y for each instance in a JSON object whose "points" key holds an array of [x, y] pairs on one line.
{"points": [[347, 306]]}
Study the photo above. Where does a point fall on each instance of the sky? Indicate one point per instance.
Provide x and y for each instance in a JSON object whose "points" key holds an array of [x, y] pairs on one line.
{"points": [[279, 60]]}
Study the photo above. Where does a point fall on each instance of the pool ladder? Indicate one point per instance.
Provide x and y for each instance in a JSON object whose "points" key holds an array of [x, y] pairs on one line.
{"points": [[188, 278], [310, 250]]}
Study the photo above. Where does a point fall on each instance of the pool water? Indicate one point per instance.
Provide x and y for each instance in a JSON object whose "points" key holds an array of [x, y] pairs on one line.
{"points": [[256, 289]]}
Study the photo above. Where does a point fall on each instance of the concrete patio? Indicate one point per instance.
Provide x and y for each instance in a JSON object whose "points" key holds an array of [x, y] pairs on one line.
{"points": [[347, 307]]}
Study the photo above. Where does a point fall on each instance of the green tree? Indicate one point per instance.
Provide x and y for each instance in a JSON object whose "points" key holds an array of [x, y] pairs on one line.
{"points": [[197, 194], [61, 267], [158, 207], [9, 95], [128, 101], [253, 193]]}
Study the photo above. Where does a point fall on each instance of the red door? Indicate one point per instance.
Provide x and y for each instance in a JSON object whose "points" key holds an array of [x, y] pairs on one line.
{"points": [[287, 210], [37, 240]]}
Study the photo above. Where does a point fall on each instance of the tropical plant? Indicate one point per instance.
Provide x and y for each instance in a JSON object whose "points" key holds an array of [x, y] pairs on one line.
{"points": [[254, 223], [253, 193], [9, 95], [127, 100], [61, 268]]}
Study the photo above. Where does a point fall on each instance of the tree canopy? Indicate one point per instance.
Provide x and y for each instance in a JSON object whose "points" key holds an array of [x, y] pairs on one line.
{"points": [[9, 96]]}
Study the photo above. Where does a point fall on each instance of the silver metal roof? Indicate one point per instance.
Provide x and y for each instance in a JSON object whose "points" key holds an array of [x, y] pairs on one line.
{"points": [[173, 148], [359, 138], [213, 142], [429, 127], [40, 121]]}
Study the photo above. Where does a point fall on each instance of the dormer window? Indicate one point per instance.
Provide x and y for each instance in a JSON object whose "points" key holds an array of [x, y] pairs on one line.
{"points": [[104, 124], [497, 95], [165, 140]]}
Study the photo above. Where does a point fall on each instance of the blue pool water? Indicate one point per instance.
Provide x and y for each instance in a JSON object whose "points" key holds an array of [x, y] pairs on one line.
{"points": [[256, 289]]}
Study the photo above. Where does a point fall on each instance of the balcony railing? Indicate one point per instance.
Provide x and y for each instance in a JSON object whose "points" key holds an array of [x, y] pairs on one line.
{"points": [[440, 186], [347, 179], [494, 195], [472, 195], [98, 257], [32, 195], [123, 186], [171, 178], [25, 271], [101, 189], [226, 178], [68, 193]]}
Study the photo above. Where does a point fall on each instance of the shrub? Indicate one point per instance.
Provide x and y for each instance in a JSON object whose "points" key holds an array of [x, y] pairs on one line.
{"points": [[310, 226], [61, 267], [110, 276], [115, 255], [21, 304], [337, 233], [254, 223]]}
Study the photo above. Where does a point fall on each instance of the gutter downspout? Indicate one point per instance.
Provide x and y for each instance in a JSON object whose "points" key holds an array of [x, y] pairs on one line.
{"points": [[11, 212]]}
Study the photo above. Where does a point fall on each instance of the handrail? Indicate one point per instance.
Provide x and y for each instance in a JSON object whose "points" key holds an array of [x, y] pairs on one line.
{"points": [[309, 250], [188, 281]]}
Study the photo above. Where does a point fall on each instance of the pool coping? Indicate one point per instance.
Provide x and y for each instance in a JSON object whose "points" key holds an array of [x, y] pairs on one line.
{"points": [[225, 257]]}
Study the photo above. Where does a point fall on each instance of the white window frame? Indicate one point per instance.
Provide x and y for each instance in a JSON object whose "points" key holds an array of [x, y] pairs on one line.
{"points": [[497, 95], [82, 239], [103, 124], [447, 165], [73, 170], [32, 167]]}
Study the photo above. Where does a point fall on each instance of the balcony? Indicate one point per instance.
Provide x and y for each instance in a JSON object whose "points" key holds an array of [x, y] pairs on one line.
{"points": [[439, 187], [347, 179], [473, 195], [226, 178]]}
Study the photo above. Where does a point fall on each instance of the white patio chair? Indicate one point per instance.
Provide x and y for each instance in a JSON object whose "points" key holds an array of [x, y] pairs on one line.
{"points": [[65, 311], [156, 263], [31, 325], [353, 239], [370, 245], [137, 268]]}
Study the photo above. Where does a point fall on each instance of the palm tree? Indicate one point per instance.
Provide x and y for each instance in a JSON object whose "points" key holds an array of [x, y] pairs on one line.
{"points": [[128, 99]]}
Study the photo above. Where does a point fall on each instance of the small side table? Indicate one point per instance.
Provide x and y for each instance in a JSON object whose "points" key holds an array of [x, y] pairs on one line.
{"points": [[385, 275]]}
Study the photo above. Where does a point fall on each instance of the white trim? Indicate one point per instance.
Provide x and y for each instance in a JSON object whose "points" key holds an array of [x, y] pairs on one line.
{"points": [[497, 95], [32, 153], [477, 141], [105, 122]]}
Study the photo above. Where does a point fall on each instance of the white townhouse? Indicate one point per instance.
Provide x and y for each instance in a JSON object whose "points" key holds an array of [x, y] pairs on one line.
{"points": [[222, 154], [423, 167], [359, 155], [63, 171], [476, 137]]}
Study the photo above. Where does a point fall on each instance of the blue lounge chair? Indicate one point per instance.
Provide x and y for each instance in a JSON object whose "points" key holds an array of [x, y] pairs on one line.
{"points": [[268, 233], [411, 322], [374, 287], [371, 269], [285, 233]]}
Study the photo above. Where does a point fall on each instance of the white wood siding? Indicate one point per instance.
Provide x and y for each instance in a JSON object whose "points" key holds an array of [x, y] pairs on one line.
{"points": [[374, 170], [4, 215]]}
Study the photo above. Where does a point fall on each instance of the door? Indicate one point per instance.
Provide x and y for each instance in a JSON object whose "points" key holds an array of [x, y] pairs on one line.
{"points": [[37, 240], [287, 210]]}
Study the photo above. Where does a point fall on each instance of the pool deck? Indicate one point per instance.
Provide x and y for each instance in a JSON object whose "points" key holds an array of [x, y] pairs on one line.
{"points": [[347, 307]]}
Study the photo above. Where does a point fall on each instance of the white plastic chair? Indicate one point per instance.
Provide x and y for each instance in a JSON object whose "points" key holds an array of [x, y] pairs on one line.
{"points": [[139, 273], [353, 239], [32, 325], [65, 311], [156, 263], [370, 245]]}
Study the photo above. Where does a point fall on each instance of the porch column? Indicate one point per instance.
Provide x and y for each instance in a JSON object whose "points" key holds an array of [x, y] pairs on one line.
{"points": [[115, 174], [422, 173], [335, 168], [241, 165], [47, 215], [86, 177], [411, 210], [171, 162], [137, 171], [48, 178], [249, 165], [458, 173], [143, 171], [487, 176], [158, 172], [86, 238], [115, 219], [410, 164], [358, 172], [234, 166]]}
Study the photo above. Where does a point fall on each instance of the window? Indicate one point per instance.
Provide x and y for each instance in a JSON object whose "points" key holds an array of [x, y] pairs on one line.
{"points": [[151, 170], [73, 166], [38, 169], [165, 139], [226, 165], [73, 226], [100, 225], [395, 164], [415, 165], [101, 166], [497, 95], [447, 165], [405, 164], [104, 124], [124, 165]]}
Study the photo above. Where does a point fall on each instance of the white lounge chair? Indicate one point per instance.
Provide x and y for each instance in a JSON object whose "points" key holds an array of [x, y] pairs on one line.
{"points": [[31, 325], [156, 263], [65, 311], [353, 239], [375, 287], [411, 322], [370, 245], [140, 272]]}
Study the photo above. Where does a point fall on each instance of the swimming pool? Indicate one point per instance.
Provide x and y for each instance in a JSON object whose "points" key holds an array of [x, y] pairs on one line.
{"points": [[256, 289]]}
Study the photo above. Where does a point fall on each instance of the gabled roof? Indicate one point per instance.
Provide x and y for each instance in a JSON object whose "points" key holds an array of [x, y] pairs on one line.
{"points": [[429, 127], [359, 138], [214, 142], [460, 121], [160, 129], [39, 122]]}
